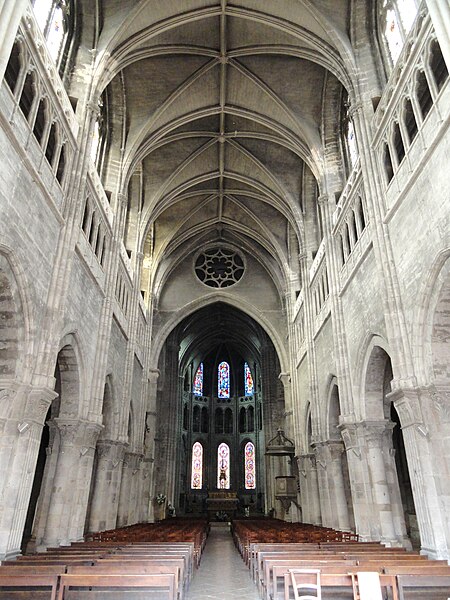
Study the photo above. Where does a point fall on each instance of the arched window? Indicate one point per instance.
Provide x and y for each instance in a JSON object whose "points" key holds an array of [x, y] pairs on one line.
{"points": [[60, 169], [409, 119], [223, 380], [395, 21], [54, 18], [13, 67], [360, 213], [198, 381], [348, 134], [223, 467], [197, 466], [249, 466], [40, 120], [389, 169], [423, 94], [51, 143], [27, 95], [398, 144], [248, 381], [437, 65]]}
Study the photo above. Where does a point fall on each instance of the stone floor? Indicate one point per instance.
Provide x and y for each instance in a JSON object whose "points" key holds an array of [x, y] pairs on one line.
{"points": [[222, 574]]}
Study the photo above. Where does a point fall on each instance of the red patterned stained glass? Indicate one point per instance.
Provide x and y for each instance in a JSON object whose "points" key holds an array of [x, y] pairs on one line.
{"points": [[223, 467], [249, 388], [197, 466], [198, 381], [250, 468]]}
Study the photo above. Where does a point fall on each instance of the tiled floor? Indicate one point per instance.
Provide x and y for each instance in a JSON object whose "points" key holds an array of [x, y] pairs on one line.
{"points": [[222, 574]]}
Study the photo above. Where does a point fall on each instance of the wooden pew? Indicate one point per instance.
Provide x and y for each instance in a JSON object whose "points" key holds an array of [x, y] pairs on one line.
{"points": [[36, 581], [343, 580], [134, 568], [430, 583], [267, 585], [163, 582]]}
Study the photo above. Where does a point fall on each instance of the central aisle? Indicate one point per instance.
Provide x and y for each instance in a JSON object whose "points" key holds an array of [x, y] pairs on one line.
{"points": [[222, 573]]}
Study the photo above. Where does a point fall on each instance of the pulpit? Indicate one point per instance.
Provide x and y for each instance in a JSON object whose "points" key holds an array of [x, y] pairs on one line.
{"points": [[221, 503]]}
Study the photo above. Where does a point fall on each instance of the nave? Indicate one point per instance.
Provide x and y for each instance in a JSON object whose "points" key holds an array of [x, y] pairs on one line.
{"points": [[192, 559]]}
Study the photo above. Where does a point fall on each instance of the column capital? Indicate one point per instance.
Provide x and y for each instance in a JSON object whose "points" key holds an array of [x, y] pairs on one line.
{"points": [[77, 432], [285, 379], [122, 199]]}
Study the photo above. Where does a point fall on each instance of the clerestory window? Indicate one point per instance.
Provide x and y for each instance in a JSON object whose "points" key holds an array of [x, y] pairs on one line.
{"points": [[395, 20]]}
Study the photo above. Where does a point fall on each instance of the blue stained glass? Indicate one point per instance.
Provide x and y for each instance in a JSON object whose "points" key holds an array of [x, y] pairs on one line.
{"points": [[198, 381], [249, 388], [223, 382]]}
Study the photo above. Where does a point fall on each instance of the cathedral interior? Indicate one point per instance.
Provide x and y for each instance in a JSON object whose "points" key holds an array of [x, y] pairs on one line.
{"points": [[225, 266]]}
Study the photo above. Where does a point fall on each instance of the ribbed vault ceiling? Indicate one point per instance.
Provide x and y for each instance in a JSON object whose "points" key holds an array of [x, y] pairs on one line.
{"points": [[216, 118]]}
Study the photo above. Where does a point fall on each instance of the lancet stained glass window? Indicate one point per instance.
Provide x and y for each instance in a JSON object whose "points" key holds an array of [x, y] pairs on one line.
{"points": [[223, 467], [249, 388], [223, 380], [249, 466], [197, 466], [198, 381]]}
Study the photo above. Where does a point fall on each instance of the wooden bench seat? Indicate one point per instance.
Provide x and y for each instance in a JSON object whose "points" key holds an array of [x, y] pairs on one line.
{"points": [[18, 586], [341, 580], [164, 583], [425, 586]]}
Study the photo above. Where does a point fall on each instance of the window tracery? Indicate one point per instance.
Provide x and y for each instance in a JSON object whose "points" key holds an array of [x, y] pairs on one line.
{"points": [[198, 381], [223, 380], [249, 466], [248, 381], [53, 18], [396, 18], [223, 467], [197, 466]]}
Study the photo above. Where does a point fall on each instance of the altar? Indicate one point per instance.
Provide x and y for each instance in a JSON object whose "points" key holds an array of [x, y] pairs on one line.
{"points": [[220, 503]]}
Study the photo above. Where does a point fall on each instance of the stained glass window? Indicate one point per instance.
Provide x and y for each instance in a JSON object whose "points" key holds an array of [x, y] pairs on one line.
{"points": [[41, 9], [223, 467], [223, 381], [351, 143], [197, 466], [249, 466], [249, 389], [198, 381], [393, 35], [56, 33]]}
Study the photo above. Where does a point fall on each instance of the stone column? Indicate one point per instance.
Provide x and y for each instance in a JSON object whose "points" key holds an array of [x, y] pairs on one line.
{"points": [[425, 470], [128, 490], [339, 509], [11, 12], [21, 438], [360, 483], [321, 452], [68, 502], [105, 499], [149, 441], [314, 508], [366, 449]]}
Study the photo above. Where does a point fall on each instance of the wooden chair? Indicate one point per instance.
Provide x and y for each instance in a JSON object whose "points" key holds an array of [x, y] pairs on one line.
{"points": [[306, 580]]}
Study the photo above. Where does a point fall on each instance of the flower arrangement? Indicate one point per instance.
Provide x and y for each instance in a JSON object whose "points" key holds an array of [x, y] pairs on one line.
{"points": [[160, 498]]}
